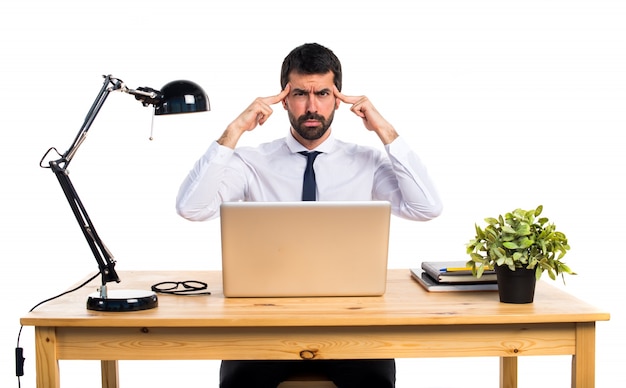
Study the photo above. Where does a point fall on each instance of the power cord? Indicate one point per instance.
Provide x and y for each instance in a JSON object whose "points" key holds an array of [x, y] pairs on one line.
{"points": [[19, 352]]}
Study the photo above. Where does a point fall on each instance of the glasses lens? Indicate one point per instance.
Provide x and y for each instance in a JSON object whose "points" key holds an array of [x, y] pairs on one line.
{"points": [[194, 285], [166, 286]]}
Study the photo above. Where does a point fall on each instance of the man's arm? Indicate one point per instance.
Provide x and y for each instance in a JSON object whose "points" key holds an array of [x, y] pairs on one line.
{"points": [[209, 182], [372, 119], [405, 182], [256, 114]]}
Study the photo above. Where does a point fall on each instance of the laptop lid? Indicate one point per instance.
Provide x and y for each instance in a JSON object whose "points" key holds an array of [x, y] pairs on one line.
{"points": [[300, 249]]}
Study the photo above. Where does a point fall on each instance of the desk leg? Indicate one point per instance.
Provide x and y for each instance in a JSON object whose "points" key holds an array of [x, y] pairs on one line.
{"points": [[584, 361], [110, 376], [508, 372], [46, 362]]}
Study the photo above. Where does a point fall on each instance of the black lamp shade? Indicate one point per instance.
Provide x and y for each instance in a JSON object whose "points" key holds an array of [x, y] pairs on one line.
{"points": [[182, 97]]}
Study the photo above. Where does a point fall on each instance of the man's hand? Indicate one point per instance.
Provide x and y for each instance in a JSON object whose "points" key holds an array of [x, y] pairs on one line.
{"points": [[256, 114], [373, 121]]}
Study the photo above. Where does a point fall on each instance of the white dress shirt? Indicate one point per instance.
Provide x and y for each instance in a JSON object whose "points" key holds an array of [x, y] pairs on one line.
{"points": [[273, 172]]}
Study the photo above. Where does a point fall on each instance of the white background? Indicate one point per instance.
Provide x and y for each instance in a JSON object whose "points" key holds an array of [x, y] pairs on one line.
{"points": [[511, 103]]}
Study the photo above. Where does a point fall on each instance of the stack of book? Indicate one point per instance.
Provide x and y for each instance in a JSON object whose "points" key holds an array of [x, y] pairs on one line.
{"points": [[442, 276]]}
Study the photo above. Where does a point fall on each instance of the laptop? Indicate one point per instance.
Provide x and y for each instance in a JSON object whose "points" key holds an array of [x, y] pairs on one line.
{"points": [[304, 249]]}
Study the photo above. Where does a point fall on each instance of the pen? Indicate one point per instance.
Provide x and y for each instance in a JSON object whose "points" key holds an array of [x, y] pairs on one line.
{"points": [[459, 269], [455, 269]]}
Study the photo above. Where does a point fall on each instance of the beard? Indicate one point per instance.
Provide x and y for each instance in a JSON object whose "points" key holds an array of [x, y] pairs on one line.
{"points": [[308, 132]]}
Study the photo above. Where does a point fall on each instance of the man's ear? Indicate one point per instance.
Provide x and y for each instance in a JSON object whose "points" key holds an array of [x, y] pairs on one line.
{"points": [[337, 102], [284, 102]]}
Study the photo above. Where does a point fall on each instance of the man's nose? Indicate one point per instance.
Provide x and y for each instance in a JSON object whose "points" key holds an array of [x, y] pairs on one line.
{"points": [[311, 105]]}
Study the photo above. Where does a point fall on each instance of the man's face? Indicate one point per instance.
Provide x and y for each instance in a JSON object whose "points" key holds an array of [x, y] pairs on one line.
{"points": [[311, 104]]}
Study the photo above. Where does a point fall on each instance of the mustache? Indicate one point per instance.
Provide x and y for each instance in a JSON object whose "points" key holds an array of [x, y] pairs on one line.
{"points": [[311, 116]]}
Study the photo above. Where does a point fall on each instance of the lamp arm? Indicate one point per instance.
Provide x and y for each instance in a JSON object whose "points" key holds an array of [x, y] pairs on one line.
{"points": [[147, 96], [110, 84], [104, 258]]}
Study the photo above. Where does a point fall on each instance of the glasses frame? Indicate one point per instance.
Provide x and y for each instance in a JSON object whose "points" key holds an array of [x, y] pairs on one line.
{"points": [[190, 287]]}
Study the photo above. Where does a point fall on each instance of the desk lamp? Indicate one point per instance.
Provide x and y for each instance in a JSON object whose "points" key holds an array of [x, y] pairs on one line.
{"points": [[175, 97]]}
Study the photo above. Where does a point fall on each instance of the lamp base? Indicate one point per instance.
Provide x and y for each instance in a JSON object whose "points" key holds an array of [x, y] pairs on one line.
{"points": [[123, 300]]}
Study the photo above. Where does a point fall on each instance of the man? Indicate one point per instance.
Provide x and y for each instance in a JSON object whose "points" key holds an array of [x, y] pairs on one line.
{"points": [[311, 81]]}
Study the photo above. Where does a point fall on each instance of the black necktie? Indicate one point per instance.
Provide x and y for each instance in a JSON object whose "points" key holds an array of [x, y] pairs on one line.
{"points": [[308, 184]]}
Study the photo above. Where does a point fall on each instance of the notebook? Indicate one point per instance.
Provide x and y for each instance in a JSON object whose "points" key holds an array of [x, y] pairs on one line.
{"points": [[304, 249]]}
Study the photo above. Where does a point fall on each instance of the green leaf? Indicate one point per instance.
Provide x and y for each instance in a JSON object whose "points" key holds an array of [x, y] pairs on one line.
{"points": [[525, 242], [491, 221], [523, 229], [479, 232], [508, 229], [510, 245]]}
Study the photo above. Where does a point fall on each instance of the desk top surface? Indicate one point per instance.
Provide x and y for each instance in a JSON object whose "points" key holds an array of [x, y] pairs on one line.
{"points": [[404, 303]]}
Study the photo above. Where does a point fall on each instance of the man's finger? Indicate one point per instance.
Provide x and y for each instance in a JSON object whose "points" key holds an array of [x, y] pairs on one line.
{"points": [[343, 98], [279, 97]]}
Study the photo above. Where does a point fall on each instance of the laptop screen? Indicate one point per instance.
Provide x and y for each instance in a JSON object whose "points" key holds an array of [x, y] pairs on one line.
{"points": [[304, 248]]}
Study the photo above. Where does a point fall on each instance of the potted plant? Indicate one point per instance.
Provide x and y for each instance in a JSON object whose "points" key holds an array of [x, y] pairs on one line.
{"points": [[519, 245]]}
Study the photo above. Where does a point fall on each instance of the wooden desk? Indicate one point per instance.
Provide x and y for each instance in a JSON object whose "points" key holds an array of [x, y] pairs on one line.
{"points": [[405, 322]]}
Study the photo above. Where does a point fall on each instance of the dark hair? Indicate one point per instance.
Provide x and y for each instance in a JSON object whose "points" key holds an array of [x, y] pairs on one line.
{"points": [[311, 58]]}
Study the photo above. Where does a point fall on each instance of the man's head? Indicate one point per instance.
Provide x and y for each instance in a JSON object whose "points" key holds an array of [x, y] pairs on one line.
{"points": [[312, 71], [311, 58]]}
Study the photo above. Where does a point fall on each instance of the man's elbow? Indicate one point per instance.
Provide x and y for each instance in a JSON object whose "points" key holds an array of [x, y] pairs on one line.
{"points": [[193, 214], [421, 212], [433, 211]]}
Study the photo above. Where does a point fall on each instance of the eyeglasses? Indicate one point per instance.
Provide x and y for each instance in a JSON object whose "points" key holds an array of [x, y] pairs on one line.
{"points": [[189, 287]]}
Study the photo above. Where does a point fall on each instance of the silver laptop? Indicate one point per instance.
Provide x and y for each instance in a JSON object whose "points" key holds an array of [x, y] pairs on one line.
{"points": [[302, 249]]}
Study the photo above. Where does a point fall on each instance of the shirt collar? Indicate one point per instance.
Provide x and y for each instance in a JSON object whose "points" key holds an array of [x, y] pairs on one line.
{"points": [[326, 147]]}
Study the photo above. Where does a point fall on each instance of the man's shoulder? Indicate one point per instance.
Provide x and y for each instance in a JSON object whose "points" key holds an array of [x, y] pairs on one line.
{"points": [[277, 145], [355, 148]]}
